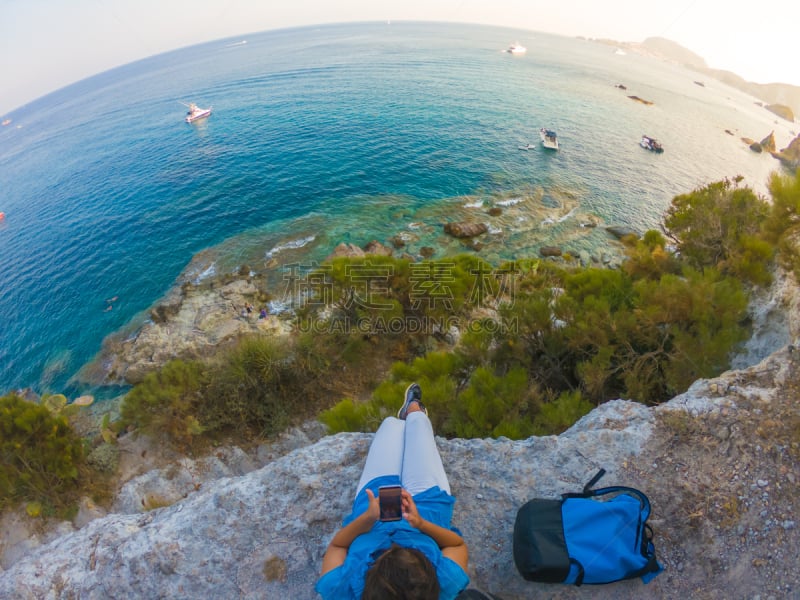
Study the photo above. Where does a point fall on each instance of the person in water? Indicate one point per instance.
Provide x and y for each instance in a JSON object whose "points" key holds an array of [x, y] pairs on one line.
{"points": [[419, 556]]}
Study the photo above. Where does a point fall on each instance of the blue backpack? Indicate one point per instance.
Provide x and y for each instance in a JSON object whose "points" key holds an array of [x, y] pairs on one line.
{"points": [[595, 536]]}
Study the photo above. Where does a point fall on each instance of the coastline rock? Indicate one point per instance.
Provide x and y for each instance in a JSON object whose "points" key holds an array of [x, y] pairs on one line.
{"points": [[345, 250], [375, 248], [641, 100], [464, 230], [203, 319], [166, 310], [783, 111], [768, 143], [756, 147], [621, 231], [790, 156], [473, 245], [550, 251], [426, 252]]}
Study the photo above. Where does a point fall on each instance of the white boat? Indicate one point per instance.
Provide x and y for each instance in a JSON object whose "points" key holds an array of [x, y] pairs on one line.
{"points": [[549, 138], [196, 113], [517, 48], [651, 144]]}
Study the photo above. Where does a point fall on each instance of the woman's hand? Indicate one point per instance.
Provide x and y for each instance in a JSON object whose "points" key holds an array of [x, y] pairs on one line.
{"points": [[336, 553], [450, 542], [374, 508], [410, 512]]}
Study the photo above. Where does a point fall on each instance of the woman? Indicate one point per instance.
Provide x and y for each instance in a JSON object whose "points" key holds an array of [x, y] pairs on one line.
{"points": [[417, 557]]}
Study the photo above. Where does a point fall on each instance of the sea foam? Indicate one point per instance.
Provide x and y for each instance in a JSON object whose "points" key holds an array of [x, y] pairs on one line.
{"points": [[290, 245]]}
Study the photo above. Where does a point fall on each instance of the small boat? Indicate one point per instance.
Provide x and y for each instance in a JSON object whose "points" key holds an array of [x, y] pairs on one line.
{"points": [[196, 113], [517, 48], [527, 147], [651, 144], [549, 138]]}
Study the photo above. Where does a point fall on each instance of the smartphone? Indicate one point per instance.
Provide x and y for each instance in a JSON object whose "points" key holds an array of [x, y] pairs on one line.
{"points": [[391, 502]]}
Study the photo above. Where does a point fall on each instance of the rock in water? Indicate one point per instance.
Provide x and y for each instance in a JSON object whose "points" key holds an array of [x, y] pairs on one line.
{"points": [[465, 230], [620, 231], [768, 143], [790, 156], [375, 248], [346, 250], [550, 251], [783, 111]]}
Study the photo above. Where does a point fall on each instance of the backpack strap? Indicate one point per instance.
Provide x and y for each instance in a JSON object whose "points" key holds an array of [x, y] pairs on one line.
{"points": [[649, 551], [588, 492], [581, 572], [644, 501], [587, 489]]}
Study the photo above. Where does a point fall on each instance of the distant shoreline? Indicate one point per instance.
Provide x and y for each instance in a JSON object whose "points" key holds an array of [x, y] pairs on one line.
{"points": [[667, 50]]}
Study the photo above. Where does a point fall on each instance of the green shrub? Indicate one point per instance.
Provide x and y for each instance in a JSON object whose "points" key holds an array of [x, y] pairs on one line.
{"points": [[166, 402], [783, 225], [785, 210], [40, 452], [351, 416], [494, 405], [560, 414], [438, 374], [648, 257], [252, 389], [690, 325], [753, 260], [715, 225]]}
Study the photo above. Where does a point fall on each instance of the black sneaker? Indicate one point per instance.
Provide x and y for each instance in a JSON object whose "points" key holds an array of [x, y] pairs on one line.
{"points": [[413, 394]]}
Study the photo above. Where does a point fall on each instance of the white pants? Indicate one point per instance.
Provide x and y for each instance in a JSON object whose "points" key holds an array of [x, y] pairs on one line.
{"points": [[406, 448]]}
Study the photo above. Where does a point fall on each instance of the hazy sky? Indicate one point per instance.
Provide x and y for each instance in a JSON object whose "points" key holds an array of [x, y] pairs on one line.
{"points": [[47, 44]]}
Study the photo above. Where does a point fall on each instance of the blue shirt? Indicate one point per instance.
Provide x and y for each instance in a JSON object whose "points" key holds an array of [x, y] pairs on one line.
{"points": [[434, 505]]}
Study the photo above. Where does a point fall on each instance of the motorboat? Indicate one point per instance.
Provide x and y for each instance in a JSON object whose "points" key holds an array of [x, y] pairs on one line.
{"points": [[517, 48], [651, 144], [549, 138], [196, 113]]}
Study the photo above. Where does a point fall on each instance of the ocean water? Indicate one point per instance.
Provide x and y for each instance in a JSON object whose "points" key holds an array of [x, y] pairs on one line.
{"points": [[332, 134]]}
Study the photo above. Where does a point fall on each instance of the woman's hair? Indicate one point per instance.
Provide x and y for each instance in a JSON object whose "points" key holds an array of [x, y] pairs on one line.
{"points": [[402, 573]]}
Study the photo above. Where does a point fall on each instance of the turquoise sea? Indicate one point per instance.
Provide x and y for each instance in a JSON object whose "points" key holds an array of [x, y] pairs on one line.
{"points": [[331, 134]]}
